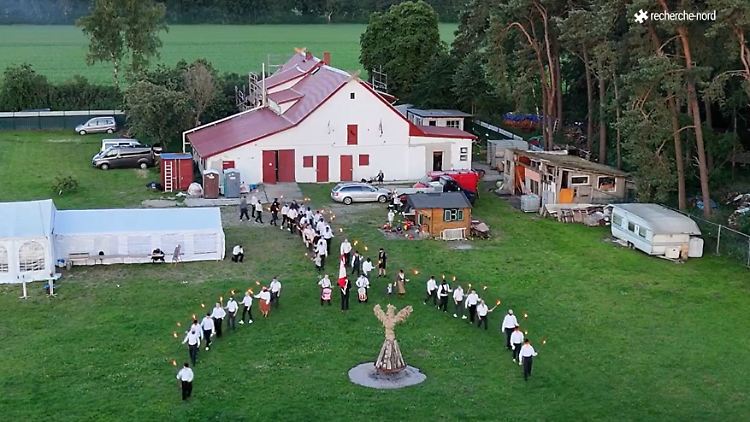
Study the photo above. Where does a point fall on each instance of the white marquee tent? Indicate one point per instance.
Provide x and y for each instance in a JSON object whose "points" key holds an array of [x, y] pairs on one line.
{"points": [[34, 236], [26, 250], [129, 235]]}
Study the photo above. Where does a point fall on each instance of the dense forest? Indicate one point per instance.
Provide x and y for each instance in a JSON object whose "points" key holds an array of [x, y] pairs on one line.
{"points": [[222, 11]]}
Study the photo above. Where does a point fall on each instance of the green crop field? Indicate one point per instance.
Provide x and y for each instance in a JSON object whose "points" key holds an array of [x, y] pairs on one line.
{"points": [[59, 51], [629, 337]]}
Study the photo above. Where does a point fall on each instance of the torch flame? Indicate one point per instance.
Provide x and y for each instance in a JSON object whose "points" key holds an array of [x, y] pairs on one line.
{"points": [[174, 362], [174, 334], [257, 283], [498, 302], [416, 272], [525, 315], [366, 248], [454, 278], [203, 305], [178, 324]]}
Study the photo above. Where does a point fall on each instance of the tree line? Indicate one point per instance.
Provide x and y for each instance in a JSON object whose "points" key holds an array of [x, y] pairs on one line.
{"points": [[222, 11], [663, 100]]}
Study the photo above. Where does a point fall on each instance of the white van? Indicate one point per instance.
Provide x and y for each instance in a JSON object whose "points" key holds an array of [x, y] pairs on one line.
{"points": [[657, 230], [119, 142]]}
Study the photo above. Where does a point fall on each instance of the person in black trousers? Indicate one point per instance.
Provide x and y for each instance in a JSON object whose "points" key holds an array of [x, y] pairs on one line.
{"points": [[243, 208], [357, 263], [527, 358], [258, 212], [345, 296], [275, 212], [185, 376]]}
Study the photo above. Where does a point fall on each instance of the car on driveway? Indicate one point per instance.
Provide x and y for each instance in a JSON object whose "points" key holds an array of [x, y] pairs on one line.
{"points": [[98, 125], [359, 192], [125, 157]]}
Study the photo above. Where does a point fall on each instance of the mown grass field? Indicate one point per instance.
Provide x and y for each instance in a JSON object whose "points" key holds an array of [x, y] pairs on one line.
{"points": [[59, 51], [629, 337]]}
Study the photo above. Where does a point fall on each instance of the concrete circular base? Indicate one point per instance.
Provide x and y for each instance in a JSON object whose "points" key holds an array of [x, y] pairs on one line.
{"points": [[365, 375]]}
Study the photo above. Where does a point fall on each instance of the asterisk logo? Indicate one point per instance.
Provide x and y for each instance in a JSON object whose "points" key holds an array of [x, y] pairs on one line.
{"points": [[641, 16]]}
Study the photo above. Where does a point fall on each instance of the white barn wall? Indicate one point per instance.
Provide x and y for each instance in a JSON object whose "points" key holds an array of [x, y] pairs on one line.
{"points": [[388, 152]]}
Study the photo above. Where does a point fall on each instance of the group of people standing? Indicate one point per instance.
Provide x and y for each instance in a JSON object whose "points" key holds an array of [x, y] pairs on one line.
{"points": [[210, 327]]}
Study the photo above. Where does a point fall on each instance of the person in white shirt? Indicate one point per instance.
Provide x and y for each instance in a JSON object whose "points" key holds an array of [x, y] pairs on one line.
{"points": [[232, 309], [431, 291], [458, 302], [363, 286], [238, 253], [259, 212], [328, 236], [320, 226], [442, 293], [218, 315], [275, 291], [346, 250], [322, 250], [482, 311], [284, 212], [207, 324], [318, 261], [326, 290], [472, 299], [367, 267], [196, 326], [253, 201], [516, 340], [185, 376], [247, 308], [509, 324], [526, 356], [193, 341], [391, 216], [264, 297], [291, 219]]}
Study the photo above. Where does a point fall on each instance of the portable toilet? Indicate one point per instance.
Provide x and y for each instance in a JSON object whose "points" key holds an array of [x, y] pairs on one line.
{"points": [[211, 179], [176, 171], [231, 183]]}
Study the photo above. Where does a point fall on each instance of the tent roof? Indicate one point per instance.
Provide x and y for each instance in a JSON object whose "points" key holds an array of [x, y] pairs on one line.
{"points": [[661, 219], [438, 200], [26, 219], [135, 220]]}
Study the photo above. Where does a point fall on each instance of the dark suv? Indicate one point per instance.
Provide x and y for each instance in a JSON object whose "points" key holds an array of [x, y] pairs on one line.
{"points": [[124, 157]]}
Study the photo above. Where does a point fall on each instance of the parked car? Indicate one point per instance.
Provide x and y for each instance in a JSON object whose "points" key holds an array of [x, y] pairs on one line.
{"points": [[98, 125], [119, 142], [125, 157], [359, 192]]}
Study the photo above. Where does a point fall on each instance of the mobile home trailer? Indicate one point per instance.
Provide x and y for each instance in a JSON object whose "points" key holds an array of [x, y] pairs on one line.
{"points": [[657, 230]]}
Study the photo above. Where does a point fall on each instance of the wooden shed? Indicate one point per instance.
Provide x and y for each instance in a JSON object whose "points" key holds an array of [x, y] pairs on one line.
{"points": [[441, 214], [176, 171]]}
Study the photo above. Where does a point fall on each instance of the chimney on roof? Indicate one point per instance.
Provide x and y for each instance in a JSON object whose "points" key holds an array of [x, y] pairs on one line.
{"points": [[308, 55], [327, 58]]}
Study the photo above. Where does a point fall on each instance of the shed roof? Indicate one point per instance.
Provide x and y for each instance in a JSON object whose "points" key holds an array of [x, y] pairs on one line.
{"points": [[26, 219], [572, 161], [137, 220], [445, 132], [441, 200], [662, 220], [434, 112]]}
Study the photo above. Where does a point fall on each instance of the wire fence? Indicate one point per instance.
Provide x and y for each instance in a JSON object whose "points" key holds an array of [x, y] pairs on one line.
{"points": [[721, 240]]}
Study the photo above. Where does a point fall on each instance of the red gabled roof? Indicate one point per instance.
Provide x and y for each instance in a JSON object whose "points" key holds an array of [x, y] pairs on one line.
{"points": [[445, 132], [285, 95], [312, 92], [298, 65]]}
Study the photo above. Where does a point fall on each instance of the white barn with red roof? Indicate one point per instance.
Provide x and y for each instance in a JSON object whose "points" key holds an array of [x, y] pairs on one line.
{"points": [[321, 124]]}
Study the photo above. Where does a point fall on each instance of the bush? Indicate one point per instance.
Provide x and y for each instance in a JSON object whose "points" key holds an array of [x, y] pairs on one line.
{"points": [[65, 184]]}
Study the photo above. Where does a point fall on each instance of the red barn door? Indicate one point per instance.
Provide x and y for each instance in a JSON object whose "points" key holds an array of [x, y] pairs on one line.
{"points": [[269, 167], [346, 168], [321, 168], [286, 165]]}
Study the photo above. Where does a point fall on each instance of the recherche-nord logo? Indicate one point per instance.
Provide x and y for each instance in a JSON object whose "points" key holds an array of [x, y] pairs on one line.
{"points": [[642, 16]]}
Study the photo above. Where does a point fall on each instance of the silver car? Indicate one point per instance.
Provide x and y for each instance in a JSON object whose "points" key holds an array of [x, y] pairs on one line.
{"points": [[359, 192], [98, 125]]}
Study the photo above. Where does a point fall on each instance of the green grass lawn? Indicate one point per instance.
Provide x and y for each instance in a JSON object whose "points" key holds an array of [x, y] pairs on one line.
{"points": [[629, 337], [31, 160], [59, 51]]}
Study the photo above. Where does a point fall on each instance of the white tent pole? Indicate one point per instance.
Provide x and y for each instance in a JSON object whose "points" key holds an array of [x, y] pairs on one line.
{"points": [[23, 281], [51, 286]]}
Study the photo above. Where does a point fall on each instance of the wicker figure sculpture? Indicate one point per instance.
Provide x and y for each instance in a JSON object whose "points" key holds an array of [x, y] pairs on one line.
{"points": [[390, 360]]}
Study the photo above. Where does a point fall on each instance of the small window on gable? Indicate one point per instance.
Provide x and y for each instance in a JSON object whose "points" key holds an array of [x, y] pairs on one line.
{"points": [[364, 159], [307, 161], [351, 95]]}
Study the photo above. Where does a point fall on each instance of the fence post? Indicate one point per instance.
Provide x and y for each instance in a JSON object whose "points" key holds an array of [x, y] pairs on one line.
{"points": [[718, 240], [748, 251]]}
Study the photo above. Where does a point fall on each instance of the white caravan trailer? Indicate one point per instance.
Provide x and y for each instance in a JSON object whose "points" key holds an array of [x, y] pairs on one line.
{"points": [[657, 230]]}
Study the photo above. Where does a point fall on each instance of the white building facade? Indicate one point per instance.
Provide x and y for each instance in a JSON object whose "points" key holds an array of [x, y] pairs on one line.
{"points": [[350, 134]]}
